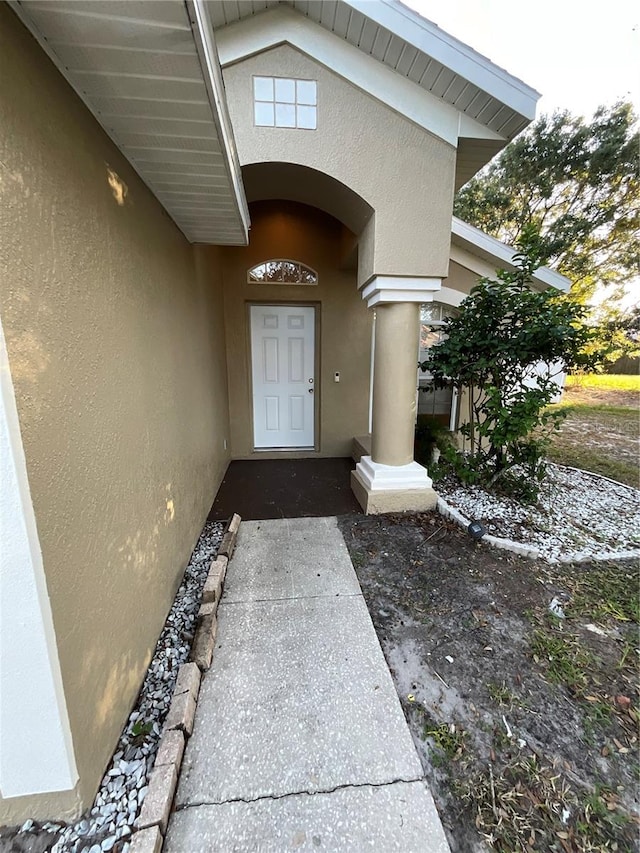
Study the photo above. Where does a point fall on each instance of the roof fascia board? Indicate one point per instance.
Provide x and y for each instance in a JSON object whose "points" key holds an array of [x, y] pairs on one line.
{"points": [[209, 60], [459, 57], [283, 25], [469, 238]]}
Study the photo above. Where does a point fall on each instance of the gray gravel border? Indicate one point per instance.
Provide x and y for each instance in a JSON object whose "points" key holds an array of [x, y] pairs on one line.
{"points": [[151, 824]]}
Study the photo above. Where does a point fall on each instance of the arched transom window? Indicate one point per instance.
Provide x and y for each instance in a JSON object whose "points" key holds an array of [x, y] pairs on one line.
{"points": [[282, 271]]}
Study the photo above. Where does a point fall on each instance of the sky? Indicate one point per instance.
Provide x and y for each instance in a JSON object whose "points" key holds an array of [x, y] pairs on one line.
{"points": [[577, 54]]}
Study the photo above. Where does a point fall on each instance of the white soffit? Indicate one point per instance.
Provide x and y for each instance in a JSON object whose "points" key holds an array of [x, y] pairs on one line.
{"points": [[149, 73], [414, 48], [473, 249]]}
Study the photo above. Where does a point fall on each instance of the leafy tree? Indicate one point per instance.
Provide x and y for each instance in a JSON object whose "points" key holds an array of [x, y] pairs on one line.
{"points": [[578, 184], [618, 333], [504, 329]]}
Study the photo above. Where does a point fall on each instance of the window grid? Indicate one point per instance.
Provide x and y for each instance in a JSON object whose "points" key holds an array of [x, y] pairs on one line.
{"points": [[433, 401], [285, 102]]}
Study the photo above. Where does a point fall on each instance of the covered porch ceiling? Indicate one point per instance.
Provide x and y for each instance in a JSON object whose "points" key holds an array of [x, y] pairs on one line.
{"points": [[148, 71]]}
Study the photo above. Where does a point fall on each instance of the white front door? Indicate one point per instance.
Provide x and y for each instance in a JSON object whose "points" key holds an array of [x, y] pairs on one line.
{"points": [[283, 370]]}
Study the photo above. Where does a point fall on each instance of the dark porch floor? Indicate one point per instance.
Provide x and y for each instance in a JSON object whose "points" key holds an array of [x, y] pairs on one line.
{"points": [[287, 488]]}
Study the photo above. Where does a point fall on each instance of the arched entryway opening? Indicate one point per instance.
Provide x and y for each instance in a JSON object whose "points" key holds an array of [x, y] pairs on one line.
{"points": [[298, 332], [298, 341], [293, 182]]}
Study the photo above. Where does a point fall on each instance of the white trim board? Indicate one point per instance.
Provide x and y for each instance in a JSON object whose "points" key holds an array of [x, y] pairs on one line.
{"points": [[474, 249], [212, 74], [36, 750], [444, 48], [384, 289], [450, 296]]}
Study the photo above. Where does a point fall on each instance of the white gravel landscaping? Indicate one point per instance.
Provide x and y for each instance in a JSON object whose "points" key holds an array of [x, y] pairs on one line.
{"points": [[578, 516], [109, 824]]}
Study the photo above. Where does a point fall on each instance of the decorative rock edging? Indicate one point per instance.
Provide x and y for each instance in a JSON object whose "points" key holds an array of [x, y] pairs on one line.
{"points": [[521, 548], [603, 556], [600, 476], [531, 551], [153, 819]]}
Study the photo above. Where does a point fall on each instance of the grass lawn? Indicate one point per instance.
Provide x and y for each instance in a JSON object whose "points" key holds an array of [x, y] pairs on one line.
{"points": [[605, 382], [602, 430]]}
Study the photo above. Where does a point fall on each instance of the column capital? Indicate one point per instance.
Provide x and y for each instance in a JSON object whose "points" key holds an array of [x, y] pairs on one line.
{"points": [[386, 289]]}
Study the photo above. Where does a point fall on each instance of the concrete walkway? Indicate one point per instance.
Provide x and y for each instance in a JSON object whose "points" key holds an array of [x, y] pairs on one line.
{"points": [[299, 742]]}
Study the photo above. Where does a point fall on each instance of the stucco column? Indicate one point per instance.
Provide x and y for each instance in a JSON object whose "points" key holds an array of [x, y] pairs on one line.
{"points": [[390, 480], [394, 383]]}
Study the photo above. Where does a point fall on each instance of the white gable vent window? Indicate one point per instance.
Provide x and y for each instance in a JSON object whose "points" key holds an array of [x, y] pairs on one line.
{"points": [[281, 271], [282, 102]]}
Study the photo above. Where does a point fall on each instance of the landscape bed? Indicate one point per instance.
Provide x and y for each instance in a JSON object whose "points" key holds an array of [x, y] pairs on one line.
{"points": [[518, 679], [578, 515]]}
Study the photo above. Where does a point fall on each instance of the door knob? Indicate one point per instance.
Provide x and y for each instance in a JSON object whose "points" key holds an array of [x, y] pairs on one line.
{"points": [[311, 390]]}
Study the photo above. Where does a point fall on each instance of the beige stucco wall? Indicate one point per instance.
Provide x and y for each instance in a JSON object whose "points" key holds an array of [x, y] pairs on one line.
{"points": [[460, 278], [343, 344], [403, 172], [115, 335]]}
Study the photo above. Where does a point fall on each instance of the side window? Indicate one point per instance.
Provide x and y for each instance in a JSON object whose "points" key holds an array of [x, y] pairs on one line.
{"points": [[436, 403]]}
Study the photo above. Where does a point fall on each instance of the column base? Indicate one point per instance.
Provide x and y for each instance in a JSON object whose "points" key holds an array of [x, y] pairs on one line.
{"points": [[392, 488]]}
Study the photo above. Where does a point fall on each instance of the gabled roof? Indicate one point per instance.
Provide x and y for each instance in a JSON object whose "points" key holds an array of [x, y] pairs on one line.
{"points": [[398, 57], [497, 254], [416, 49], [149, 71]]}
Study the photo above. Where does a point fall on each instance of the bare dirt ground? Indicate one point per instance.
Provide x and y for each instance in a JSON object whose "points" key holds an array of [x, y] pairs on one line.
{"points": [[601, 433], [576, 395], [526, 723]]}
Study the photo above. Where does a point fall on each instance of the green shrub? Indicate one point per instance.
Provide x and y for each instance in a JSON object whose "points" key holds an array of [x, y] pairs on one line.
{"points": [[503, 330]]}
